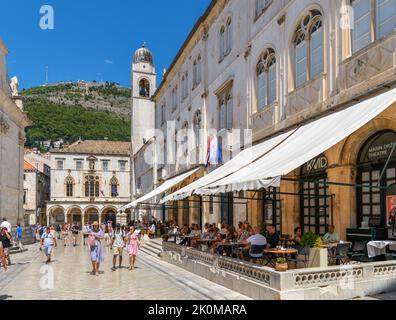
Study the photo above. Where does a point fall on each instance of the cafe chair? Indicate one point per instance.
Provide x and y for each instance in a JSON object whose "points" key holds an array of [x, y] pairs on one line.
{"points": [[341, 254], [258, 251], [358, 251]]}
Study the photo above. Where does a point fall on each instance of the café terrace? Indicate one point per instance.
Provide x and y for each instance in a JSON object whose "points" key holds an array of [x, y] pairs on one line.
{"points": [[335, 170]]}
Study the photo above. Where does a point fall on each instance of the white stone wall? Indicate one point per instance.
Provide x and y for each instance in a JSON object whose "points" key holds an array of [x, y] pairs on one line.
{"points": [[30, 189]]}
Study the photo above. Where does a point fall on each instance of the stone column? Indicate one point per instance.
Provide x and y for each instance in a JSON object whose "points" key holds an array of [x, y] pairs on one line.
{"points": [[122, 218], [82, 219], [48, 219], [345, 198], [290, 204], [100, 218]]}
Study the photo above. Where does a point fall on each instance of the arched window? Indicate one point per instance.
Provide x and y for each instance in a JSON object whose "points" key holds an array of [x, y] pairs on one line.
{"points": [[197, 69], [92, 186], [197, 121], [228, 36], [199, 75], [222, 42], [308, 43], [266, 79], [144, 88], [383, 17], [69, 182], [114, 187]]}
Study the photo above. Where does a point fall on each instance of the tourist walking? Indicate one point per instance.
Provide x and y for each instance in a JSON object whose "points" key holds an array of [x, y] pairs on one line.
{"points": [[95, 235], [6, 224], [85, 228], [65, 234], [48, 241], [118, 244], [3, 261], [75, 231], [5, 239], [18, 237], [133, 247]]}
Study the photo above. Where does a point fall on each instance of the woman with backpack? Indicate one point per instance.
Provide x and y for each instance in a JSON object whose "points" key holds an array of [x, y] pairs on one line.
{"points": [[133, 245], [95, 235]]}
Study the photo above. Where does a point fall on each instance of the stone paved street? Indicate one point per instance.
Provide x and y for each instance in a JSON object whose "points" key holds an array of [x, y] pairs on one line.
{"points": [[153, 279]]}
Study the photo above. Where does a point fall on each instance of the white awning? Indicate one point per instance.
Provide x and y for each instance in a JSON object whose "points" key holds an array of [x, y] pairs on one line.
{"points": [[308, 142], [162, 188], [240, 161]]}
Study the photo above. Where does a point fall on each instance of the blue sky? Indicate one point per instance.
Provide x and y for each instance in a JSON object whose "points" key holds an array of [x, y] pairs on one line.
{"points": [[93, 39]]}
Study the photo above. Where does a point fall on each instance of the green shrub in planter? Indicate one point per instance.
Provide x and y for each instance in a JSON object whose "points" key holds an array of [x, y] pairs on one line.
{"points": [[311, 239]]}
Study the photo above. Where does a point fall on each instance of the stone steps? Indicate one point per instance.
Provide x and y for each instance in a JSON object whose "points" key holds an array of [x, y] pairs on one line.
{"points": [[151, 247]]}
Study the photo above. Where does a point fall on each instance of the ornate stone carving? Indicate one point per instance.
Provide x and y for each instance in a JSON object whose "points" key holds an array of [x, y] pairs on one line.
{"points": [[4, 126], [14, 84]]}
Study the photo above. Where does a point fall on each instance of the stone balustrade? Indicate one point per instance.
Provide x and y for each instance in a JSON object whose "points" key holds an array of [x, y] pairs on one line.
{"points": [[259, 282]]}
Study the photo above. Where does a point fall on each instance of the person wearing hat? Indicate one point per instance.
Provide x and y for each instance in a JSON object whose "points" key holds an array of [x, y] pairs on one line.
{"points": [[118, 244], [95, 235]]}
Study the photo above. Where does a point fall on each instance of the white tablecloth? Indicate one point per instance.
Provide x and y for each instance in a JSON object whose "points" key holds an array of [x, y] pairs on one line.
{"points": [[377, 248]]}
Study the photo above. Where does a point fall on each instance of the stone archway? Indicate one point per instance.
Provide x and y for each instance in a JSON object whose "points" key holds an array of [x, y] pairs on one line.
{"points": [[91, 214], [109, 214], [55, 216], [75, 215]]}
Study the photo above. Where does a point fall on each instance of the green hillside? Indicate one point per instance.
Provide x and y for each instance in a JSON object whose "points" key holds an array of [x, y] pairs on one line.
{"points": [[69, 120]]}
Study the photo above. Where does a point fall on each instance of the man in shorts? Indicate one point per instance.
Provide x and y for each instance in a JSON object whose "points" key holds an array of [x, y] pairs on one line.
{"points": [[48, 241], [118, 244]]}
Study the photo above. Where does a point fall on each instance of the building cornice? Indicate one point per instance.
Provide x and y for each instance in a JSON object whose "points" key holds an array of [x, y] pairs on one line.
{"points": [[198, 32]]}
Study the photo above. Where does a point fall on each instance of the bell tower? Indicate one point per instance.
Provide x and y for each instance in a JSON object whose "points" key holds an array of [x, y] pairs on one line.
{"points": [[144, 84]]}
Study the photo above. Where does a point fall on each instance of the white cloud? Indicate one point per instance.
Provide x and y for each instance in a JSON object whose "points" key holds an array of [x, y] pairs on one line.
{"points": [[108, 61]]}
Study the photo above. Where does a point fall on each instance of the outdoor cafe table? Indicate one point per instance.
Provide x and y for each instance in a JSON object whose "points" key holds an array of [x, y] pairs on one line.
{"points": [[189, 238], [378, 248], [333, 245], [208, 242], [285, 253], [233, 245], [174, 235]]}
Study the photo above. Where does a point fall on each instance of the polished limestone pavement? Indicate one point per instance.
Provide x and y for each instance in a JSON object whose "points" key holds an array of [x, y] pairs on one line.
{"points": [[152, 279]]}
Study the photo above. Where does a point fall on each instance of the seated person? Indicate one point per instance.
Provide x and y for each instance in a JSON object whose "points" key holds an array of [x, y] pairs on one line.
{"points": [[257, 239], [223, 230], [205, 233], [331, 236], [229, 237], [297, 236], [184, 232], [245, 231], [215, 234], [273, 238], [196, 234]]}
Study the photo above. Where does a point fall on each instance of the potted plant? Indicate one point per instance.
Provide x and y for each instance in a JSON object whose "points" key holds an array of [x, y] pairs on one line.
{"points": [[318, 257], [281, 265]]}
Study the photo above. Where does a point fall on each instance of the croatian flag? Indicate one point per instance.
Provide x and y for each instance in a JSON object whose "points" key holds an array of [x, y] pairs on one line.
{"points": [[214, 155]]}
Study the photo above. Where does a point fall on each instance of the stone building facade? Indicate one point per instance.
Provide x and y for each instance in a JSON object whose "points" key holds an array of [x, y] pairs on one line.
{"points": [[269, 66], [90, 181], [12, 139], [36, 186]]}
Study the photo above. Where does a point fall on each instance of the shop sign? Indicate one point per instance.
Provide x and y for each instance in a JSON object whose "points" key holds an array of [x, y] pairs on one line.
{"points": [[319, 164], [379, 148]]}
